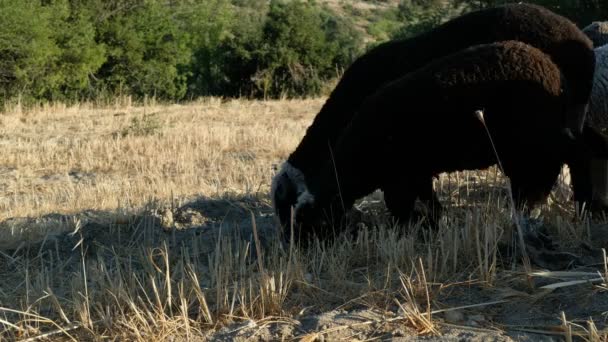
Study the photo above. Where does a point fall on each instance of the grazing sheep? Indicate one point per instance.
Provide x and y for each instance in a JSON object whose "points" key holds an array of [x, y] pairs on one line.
{"points": [[597, 31], [596, 134], [598, 103], [425, 123], [597, 164], [560, 38]]}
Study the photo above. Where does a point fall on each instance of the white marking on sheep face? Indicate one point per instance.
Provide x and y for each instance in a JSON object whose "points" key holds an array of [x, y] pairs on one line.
{"points": [[287, 187]]}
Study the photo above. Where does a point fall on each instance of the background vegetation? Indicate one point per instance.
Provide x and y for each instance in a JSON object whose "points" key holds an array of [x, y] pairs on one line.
{"points": [[75, 50]]}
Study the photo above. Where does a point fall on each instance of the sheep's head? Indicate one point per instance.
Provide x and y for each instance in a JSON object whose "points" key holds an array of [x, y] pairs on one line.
{"points": [[316, 217], [311, 216], [289, 192], [286, 186]]}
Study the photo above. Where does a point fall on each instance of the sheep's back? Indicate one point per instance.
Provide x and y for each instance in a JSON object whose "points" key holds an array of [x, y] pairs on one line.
{"points": [[489, 63]]}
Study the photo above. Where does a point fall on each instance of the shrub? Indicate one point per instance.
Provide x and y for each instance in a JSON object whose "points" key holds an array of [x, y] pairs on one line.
{"points": [[146, 50]]}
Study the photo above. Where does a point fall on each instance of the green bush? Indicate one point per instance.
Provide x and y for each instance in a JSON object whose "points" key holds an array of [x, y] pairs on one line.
{"points": [[419, 16], [383, 23], [208, 24], [71, 50], [285, 48], [170, 50], [79, 55], [27, 48], [295, 54], [145, 50]]}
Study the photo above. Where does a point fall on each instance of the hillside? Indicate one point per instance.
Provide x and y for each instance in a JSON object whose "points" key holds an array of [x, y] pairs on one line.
{"points": [[366, 14]]}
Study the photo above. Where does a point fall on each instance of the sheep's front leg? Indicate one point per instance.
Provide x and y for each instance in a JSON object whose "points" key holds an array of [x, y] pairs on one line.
{"points": [[588, 163], [401, 194], [532, 180], [529, 188], [429, 197]]}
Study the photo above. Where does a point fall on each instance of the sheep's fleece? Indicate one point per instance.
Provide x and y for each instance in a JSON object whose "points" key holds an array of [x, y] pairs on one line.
{"points": [[597, 113]]}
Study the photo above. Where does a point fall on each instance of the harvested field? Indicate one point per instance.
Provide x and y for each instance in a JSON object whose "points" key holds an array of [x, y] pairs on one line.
{"points": [[153, 222]]}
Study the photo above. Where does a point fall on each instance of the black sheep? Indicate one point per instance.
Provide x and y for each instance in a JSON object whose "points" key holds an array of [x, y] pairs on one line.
{"points": [[425, 123], [570, 49]]}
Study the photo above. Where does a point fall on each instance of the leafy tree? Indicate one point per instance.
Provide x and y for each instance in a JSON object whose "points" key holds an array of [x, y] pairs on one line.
{"points": [[208, 24], [78, 57], [240, 53], [145, 49], [170, 49], [419, 16], [295, 53], [341, 32], [26, 46]]}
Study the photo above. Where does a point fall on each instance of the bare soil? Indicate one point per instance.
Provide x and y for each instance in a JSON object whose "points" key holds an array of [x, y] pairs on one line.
{"points": [[514, 309]]}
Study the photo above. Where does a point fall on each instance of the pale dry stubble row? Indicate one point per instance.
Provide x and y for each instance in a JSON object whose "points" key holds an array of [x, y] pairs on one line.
{"points": [[65, 160]]}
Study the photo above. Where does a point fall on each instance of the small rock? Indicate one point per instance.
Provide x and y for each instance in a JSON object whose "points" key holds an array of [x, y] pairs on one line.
{"points": [[398, 333], [477, 318], [454, 316], [189, 218], [471, 323], [166, 219]]}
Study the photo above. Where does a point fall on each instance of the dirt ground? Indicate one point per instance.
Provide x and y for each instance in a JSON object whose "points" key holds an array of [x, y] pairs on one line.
{"points": [[507, 313], [152, 236]]}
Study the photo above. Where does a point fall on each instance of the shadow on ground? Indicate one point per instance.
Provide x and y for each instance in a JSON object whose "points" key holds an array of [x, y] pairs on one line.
{"points": [[206, 218], [197, 226]]}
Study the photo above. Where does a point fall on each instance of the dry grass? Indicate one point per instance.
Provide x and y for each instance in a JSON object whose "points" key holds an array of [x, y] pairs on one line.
{"points": [[67, 160], [70, 159], [121, 180]]}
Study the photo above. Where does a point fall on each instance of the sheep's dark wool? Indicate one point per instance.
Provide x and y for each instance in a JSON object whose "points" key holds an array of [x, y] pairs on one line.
{"points": [[598, 104], [596, 119], [557, 36], [589, 164], [597, 31], [425, 123]]}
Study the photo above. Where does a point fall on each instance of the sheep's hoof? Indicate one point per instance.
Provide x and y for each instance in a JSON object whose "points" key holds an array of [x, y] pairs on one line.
{"points": [[538, 240], [552, 260], [542, 250]]}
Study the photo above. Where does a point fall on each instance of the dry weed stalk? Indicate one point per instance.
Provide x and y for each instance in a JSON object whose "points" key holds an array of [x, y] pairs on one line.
{"points": [[419, 319], [605, 258], [514, 215]]}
